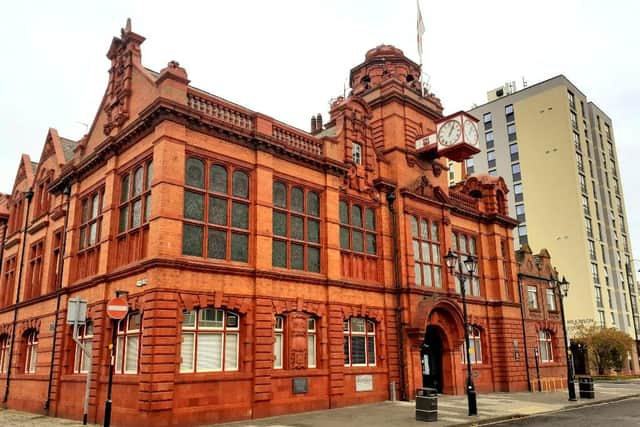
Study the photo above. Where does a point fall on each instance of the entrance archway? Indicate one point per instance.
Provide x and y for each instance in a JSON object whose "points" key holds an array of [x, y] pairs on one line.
{"points": [[431, 358]]}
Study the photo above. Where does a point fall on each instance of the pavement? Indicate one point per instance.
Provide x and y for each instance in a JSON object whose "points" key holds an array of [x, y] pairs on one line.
{"points": [[452, 410]]}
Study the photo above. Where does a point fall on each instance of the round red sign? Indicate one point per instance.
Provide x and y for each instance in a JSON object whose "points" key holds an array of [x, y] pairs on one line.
{"points": [[117, 308]]}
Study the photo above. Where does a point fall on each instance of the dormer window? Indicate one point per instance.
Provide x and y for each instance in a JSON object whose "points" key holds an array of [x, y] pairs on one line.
{"points": [[356, 153]]}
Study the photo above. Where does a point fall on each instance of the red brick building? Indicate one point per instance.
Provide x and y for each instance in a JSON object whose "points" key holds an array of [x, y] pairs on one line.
{"points": [[268, 269], [542, 321]]}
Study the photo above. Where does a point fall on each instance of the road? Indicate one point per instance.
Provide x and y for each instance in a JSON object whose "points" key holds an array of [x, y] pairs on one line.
{"points": [[625, 413]]}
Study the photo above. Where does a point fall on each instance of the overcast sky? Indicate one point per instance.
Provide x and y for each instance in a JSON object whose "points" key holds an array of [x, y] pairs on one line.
{"points": [[287, 59]]}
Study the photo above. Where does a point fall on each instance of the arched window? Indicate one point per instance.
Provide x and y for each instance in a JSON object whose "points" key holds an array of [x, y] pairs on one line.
{"points": [[210, 340], [4, 353], [475, 342], [359, 342], [128, 344], [81, 358], [31, 351], [545, 345]]}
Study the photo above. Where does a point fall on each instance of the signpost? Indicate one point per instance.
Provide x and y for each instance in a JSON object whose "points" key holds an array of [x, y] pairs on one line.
{"points": [[77, 316], [117, 309]]}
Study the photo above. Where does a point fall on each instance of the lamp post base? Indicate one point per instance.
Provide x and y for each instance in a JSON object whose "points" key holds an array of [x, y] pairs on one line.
{"points": [[572, 391], [473, 406]]}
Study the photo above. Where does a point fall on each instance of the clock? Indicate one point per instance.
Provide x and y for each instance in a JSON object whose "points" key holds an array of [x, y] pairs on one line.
{"points": [[449, 132], [470, 132]]}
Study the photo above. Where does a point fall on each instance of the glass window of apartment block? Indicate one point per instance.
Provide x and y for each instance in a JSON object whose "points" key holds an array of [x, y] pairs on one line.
{"points": [[545, 345], [470, 166], [359, 342], [514, 151], [464, 245], [511, 132], [210, 340], [426, 252], [580, 162], [128, 344], [572, 100], [489, 139], [508, 112], [585, 205], [517, 190], [574, 120], [216, 211], [551, 299], [601, 320], [576, 141], [607, 131], [592, 249], [532, 297], [520, 216], [475, 342], [583, 183], [594, 273], [487, 120], [30, 351], [588, 227], [584, 114], [516, 172], [296, 228], [493, 172], [598, 294], [491, 159]]}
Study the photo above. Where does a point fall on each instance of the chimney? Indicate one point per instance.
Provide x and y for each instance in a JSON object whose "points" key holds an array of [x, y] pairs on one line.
{"points": [[319, 125], [314, 127]]}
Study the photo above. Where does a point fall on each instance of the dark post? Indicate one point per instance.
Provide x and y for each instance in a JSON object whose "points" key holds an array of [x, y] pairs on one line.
{"points": [[471, 389], [536, 355], [570, 378], [107, 405]]}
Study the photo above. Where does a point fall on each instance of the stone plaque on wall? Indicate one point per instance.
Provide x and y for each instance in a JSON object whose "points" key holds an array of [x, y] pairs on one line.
{"points": [[364, 382], [300, 385]]}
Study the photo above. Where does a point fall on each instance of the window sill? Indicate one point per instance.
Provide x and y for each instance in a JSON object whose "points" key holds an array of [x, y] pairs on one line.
{"points": [[195, 377]]}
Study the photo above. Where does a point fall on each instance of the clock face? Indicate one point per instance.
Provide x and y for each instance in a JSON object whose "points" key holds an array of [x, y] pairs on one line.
{"points": [[449, 132], [470, 132]]}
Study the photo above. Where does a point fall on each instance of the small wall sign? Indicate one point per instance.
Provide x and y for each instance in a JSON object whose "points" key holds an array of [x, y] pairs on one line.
{"points": [[300, 385], [364, 382]]}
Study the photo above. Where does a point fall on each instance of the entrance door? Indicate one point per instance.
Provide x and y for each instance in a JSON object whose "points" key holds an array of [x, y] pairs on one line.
{"points": [[431, 356]]}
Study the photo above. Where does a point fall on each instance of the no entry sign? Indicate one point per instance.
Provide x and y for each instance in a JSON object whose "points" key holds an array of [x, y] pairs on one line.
{"points": [[117, 308]]}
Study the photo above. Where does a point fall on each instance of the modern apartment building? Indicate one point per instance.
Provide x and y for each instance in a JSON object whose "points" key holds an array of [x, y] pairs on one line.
{"points": [[556, 151]]}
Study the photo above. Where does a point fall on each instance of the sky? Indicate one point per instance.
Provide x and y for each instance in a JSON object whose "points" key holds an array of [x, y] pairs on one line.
{"points": [[288, 59]]}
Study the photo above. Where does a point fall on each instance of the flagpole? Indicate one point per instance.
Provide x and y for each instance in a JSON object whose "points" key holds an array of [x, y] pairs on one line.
{"points": [[420, 32]]}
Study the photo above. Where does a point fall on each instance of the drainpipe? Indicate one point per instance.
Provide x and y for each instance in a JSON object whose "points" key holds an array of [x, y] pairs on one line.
{"points": [[29, 195], [63, 244], [524, 333], [391, 197], [4, 236]]}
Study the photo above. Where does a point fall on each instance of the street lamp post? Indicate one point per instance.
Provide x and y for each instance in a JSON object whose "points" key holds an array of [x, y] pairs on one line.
{"points": [[563, 289], [471, 264]]}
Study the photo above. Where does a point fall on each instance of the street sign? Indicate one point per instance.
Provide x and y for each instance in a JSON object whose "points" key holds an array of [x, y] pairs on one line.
{"points": [[117, 308], [76, 311]]}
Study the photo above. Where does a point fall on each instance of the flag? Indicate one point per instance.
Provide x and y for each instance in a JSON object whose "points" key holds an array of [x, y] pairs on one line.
{"points": [[420, 28]]}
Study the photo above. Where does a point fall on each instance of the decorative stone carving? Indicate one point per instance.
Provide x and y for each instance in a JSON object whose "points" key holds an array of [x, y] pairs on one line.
{"points": [[298, 337]]}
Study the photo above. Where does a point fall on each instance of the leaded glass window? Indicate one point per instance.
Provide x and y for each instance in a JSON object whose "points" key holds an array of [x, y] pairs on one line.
{"points": [[358, 228], [223, 233], [427, 260], [296, 228]]}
